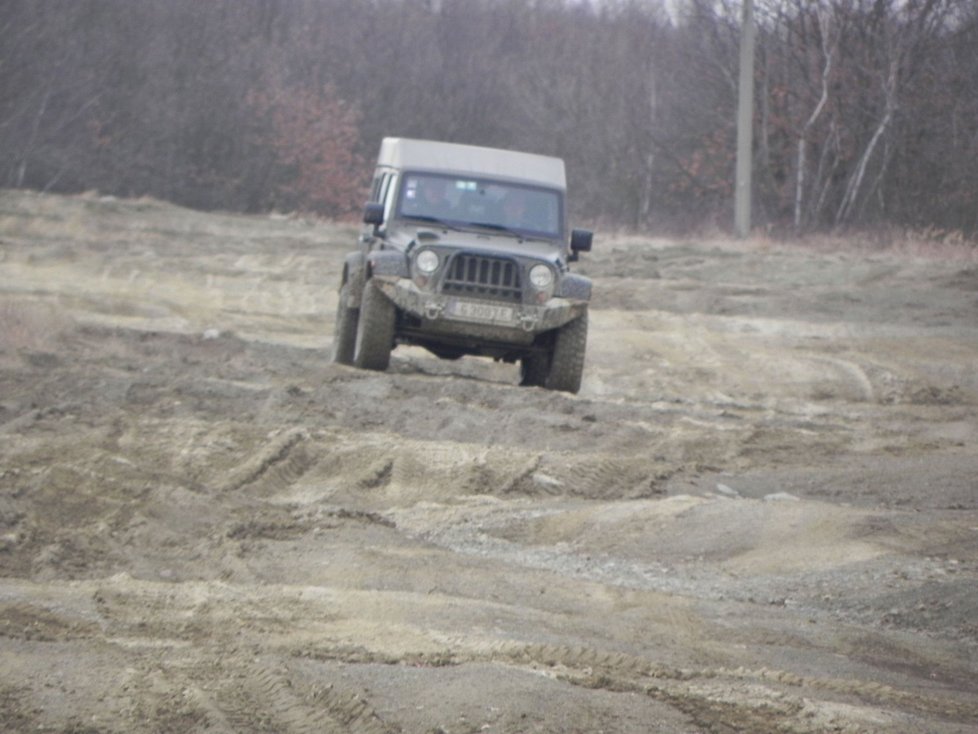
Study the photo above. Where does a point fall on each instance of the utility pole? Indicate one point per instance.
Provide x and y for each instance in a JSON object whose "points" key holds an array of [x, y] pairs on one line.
{"points": [[745, 122]]}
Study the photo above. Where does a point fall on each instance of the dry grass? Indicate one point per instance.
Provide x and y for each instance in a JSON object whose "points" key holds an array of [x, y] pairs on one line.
{"points": [[30, 326], [929, 243]]}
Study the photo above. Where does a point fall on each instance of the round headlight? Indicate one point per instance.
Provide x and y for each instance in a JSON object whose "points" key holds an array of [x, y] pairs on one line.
{"points": [[426, 262], [541, 276]]}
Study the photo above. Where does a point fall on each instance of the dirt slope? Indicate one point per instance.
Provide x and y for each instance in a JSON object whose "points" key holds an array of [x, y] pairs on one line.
{"points": [[759, 515]]}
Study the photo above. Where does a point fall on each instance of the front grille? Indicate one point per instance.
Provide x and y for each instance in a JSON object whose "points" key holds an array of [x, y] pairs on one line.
{"points": [[478, 276]]}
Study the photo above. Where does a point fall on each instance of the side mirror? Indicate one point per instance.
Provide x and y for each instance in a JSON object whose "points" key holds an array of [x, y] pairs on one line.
{"points": [[373, 213], [580, 242]]}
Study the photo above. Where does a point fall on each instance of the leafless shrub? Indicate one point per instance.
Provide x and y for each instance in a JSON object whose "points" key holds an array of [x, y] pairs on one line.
{"points": [[937, 243]]}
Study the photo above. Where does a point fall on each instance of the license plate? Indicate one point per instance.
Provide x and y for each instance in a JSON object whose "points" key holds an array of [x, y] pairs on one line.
{"points": [[488, 313]]}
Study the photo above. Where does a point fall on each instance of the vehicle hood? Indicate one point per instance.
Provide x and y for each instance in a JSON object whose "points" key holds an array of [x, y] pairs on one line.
{"points": [[486, 242]]}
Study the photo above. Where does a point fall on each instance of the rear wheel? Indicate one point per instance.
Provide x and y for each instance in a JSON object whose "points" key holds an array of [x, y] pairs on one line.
{"points": [[375, 330], [567, 360], [345, 329]]}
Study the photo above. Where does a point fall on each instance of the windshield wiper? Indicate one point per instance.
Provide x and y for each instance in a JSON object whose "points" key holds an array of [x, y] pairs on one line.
{"points": [[509, 230], [432, 220]]}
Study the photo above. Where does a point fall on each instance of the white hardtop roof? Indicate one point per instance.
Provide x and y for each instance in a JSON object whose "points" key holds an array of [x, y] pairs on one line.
{"points": [[429, 155]]}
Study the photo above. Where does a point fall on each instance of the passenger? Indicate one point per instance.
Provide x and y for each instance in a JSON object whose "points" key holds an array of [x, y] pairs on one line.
{"points": [[428, 198]]}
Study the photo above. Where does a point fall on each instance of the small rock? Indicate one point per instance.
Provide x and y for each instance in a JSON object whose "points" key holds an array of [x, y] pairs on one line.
{"points": [[780, 497], [212, 334], [546, 480], [729, 491]]}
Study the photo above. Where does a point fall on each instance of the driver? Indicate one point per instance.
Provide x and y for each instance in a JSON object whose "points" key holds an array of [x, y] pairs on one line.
{"points": [[428, 198]]}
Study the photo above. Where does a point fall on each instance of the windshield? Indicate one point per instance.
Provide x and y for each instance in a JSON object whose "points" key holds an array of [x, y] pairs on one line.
{"points": [[462, 201]]}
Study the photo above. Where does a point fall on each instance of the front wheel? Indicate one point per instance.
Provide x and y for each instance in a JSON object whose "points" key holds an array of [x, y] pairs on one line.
{"points": [[345, 329], [567, 358], [375, 330]]}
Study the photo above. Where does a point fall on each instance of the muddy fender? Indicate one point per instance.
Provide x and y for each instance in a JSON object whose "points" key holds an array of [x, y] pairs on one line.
{"points": [[388, 263], [574, 287]]}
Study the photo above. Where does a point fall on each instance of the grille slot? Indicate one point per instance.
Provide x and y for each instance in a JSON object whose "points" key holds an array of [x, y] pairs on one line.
{"points": [[478, 276]]}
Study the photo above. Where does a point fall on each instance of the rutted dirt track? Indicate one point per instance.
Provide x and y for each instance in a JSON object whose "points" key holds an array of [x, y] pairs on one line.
{"points": [[759, 515]]}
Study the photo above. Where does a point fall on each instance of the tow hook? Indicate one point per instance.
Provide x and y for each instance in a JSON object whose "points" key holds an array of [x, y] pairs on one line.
{"points": [[528, 321], [433, 311]]}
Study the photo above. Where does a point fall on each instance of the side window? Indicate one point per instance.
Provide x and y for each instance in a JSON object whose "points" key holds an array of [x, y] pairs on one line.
{"points": [[380, 188], [375, 187], [388, 189], [382, 192]]}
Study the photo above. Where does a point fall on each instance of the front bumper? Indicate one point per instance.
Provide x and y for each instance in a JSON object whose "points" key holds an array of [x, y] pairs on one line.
{"points": [[451, 313]]}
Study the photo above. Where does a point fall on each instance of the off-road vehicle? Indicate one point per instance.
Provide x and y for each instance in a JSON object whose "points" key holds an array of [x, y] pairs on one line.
{"points": [[465, 251]]}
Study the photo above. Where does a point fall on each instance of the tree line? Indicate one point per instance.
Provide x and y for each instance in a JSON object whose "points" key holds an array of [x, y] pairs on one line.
{"points": [[866, 111]]}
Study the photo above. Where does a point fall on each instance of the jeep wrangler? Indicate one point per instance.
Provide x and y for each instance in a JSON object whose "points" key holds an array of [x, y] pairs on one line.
{"points": [[465, 252]]}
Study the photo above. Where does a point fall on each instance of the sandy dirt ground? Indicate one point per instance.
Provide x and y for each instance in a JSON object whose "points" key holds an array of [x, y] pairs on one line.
{"points": [[760, 514]]}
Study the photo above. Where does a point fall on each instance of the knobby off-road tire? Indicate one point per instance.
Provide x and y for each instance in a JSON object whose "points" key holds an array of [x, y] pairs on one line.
{"points": [[567, 359], [345, 330], [375, 330]]}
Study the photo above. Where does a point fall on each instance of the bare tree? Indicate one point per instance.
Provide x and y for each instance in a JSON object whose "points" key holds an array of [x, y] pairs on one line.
{"points": [[145, 97], [828, 53]]}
